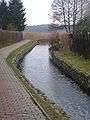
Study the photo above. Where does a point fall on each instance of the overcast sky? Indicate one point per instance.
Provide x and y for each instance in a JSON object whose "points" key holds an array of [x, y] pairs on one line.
{"points": [[37, 11]]}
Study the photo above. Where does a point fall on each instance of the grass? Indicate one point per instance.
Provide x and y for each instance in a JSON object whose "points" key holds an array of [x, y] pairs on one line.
{"points": [[53, 112], [75, 61]]}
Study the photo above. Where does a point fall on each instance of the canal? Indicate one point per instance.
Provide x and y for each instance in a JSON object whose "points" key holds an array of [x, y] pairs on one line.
{"points": [[40, 71]]}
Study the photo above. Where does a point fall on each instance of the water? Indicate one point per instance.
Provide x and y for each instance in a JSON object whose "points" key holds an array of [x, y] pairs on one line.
{"points": [[62, 90]]}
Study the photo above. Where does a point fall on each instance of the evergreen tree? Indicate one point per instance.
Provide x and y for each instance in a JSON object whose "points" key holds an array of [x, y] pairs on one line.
{"points": [[17, 14], [3, 15]]}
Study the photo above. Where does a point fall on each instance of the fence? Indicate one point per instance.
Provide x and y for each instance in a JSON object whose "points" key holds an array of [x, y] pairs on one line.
{"points": [[9, 37]]}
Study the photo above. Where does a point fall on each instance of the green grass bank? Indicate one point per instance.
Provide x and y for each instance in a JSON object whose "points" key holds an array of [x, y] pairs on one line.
{"points": [[74, 66]]}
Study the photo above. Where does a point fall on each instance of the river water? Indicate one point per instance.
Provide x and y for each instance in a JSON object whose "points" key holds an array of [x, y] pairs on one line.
{"points": [[40, 71]]}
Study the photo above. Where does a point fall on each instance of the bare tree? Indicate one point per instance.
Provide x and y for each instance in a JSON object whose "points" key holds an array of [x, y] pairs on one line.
{"points": [[69, 15], [58, 9], [87, 11], [64, 15], [68, 12]]}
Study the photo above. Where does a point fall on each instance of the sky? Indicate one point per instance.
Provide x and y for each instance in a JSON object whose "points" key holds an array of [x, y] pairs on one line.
{"points": [[37, 11]]}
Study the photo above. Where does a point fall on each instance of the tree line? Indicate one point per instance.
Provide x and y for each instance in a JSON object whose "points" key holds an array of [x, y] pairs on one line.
{"points": [[74, 15], [12, 15]]}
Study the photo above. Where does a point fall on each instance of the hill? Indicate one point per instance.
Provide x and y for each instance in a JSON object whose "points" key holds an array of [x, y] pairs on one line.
{"points": [[41, 28]]}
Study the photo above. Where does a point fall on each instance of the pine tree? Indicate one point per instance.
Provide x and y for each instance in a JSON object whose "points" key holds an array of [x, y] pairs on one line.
{"points": [[3, 15], [17, 14]]}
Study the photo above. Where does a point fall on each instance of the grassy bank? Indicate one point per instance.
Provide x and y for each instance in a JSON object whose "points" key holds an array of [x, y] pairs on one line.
{"points": [[52, 111], [75, 61]]}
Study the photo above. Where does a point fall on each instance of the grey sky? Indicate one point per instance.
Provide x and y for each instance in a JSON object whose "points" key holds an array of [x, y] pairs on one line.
{"points": [[37, 11]]}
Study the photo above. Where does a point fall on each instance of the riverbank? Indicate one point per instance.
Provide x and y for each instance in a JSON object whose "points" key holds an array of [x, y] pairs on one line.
{"points": [[48, 108], [73, 66]]}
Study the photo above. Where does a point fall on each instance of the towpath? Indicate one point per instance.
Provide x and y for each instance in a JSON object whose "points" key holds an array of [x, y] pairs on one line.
{"points": [[15, 102]]}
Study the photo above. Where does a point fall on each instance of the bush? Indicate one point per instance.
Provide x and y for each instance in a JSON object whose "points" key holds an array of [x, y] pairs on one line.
{"points": [[81, 42], [54, 41]]}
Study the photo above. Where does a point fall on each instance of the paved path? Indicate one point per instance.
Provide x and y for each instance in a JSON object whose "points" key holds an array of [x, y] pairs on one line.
{"points": [[15, 103]]}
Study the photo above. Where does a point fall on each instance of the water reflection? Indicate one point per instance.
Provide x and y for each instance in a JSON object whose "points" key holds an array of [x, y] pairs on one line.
{"points": [[45, 76]]}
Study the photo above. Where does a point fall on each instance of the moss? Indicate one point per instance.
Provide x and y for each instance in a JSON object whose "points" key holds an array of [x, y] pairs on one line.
{"points": [[53, 112], [75, 61]]}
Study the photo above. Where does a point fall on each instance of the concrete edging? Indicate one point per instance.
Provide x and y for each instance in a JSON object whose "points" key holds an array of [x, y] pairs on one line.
{"points": [[19, 59], [80, 78]]}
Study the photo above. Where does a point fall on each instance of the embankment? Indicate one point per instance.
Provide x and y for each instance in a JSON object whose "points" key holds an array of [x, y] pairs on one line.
{"points": [[81, 78]]}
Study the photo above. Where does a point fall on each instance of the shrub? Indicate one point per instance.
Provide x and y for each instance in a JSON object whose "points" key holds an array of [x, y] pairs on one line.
{"points": [[81, 42]]}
